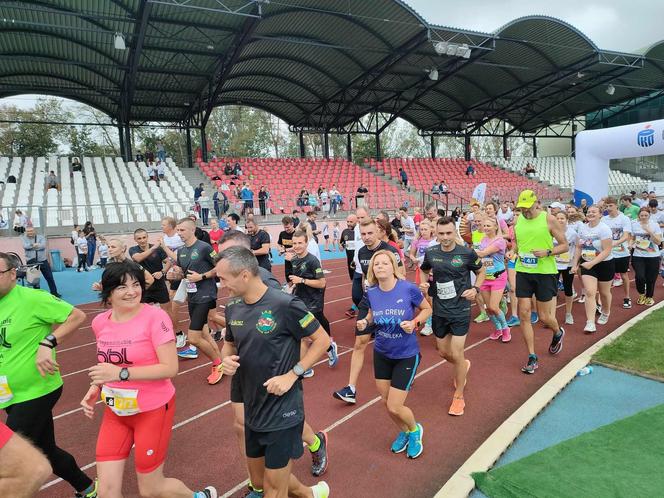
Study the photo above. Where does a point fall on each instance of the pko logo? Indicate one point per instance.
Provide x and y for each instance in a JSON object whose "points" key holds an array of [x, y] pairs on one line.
{"points": [[646, 138]]}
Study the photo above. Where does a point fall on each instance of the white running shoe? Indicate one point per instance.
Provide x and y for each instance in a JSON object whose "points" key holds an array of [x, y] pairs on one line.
{"points": [[617, 282], [569, 319], [590, 327], [603, 318], [321, 490], [426, 330], [180, 339]]}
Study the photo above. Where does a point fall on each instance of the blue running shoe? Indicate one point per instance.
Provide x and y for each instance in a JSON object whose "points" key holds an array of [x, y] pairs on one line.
{"points": [[400, 443], [346, 394], [534, 317], [190, 353], [254, 494], [513, 321], [332, 355], [415, 445]]}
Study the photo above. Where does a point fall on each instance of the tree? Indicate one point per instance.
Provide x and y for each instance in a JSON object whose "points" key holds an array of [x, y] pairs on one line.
{"points": [[82, 144]]}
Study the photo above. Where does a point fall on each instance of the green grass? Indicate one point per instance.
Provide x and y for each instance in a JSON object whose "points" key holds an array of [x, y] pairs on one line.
{"points": [[640, 349]]}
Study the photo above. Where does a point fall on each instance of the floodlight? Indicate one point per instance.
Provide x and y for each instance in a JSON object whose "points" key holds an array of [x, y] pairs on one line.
{"points": [[440, 47], [610, 89], [119, 42], [452, 48], [433, 74], [580, 75], [464, 51]]}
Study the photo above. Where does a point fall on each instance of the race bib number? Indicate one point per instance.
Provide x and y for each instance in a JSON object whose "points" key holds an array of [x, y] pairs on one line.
{"points": [[588, 253], [563, 258], [529, 260], [445, 290], [123, 402], [6, 393], [642, 242], [350, 245], [487, 262], [191, 287]]}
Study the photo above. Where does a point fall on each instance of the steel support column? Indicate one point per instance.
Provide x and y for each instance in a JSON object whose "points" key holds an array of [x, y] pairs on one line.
{"points": [[190, 160], [467, 147], [303, 152], [128, 143], [349, 147], [326, 145], [433, 146], [379, 154], [204, 150], [534, 146], [122, 144], [504, 146]]}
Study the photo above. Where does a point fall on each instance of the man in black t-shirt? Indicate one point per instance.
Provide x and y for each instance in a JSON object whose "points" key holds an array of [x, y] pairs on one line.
{"points": [[155, 260], [195, 263], [264, 330], [260, 244], [285, 243], [348, 243], [359, 195], [311, 219], [452, 294]]}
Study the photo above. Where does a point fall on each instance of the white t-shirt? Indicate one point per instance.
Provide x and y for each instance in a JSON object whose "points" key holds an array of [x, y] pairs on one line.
{"points": [[103, 251], [326, 230], [359, 244], [619, 225], [313, 248], [161, 169], [590, 239], [564, 260], [173, 242], [74, 236], [82, 245], [506, 217], [408, 224], [643, 246]]}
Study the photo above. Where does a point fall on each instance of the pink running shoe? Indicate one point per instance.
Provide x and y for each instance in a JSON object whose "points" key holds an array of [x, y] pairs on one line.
{"points": [[507, 335], [495, 335]]}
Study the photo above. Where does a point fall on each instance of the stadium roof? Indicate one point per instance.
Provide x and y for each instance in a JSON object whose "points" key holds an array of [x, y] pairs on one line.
{"points": [[317, 64]]}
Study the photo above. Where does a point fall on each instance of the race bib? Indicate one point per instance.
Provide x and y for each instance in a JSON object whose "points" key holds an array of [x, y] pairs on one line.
{"points": [[123, 402], [642, 242], [487, 262], [563, 258], [445, 290], [6, 393], [191, 287], [588, 253], [528, 260], [350, 245]]}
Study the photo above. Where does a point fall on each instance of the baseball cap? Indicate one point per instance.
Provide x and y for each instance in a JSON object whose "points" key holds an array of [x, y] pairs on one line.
{"points": [[557, 205], [526, 199]]}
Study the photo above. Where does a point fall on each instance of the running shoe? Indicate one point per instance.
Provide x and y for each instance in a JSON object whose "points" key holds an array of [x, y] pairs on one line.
{"points": [[426, 330], [215, 375], [400, 443], [180, 339], [617, 282], [582, 299], [590, 327], [569, 319], [603, 319], [208, 492], [90, 494], [513, 321], [506, 335], [534, 317], [495, 335], [531, 366], [415, 445], [503, 305], [346, 394], [627, 303], [649, 301], [598, 309], [556, 345], [561, 287], [254, 494], [333, 354], [320, 490], [190, 353], [308, 374], [482, 317], [319, 457], [351, 312], [457, 406], [641, 299]]}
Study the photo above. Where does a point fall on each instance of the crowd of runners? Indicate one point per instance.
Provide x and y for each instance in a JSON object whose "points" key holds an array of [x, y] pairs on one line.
{"points": [[273, 333]]}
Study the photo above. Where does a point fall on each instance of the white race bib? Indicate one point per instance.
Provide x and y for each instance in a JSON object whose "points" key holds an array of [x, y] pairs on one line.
{"points": [[350, 245], [6, 393], [191, 287], [528, 260], [123, 402], [445, 290]]}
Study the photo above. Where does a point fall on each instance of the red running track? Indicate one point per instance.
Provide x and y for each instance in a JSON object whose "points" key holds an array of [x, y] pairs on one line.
{"points": [[204, 449]]}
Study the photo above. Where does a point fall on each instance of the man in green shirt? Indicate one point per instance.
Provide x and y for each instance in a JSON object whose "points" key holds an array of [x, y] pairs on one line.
{"points": [[630, 210], [30, 383]]}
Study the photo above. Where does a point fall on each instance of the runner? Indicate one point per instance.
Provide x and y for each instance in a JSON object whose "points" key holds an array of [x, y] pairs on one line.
{"points": [[155, 261], [492, 251], [285, 243], [564, 263], [392, 305], [646, 237], [451, 265], [347, 241], [172, 240], [195, 264], [594, 248], [270, 369], [371, 244], [424, 240], [260, 244], [536, 272], [24, 468], [30, 382], [621, 229], [510, 256], [357, 290], [137, 359]]}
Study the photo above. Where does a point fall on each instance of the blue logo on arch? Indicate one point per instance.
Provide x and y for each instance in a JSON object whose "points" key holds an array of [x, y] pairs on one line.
{"points": [[646, 138]]}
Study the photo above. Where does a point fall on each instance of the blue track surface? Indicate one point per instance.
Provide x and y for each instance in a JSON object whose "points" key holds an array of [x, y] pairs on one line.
{"points": [[587, 403]]}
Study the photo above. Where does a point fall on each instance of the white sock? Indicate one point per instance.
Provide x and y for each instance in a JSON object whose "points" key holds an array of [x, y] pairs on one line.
{"points": [[352, 387]]}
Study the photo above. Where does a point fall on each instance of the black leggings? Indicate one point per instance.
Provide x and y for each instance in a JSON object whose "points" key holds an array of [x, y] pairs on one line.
{"points": [[322, 319], [646, 270], [82, 260], [567, 278], [357, 291], [34, 420]]}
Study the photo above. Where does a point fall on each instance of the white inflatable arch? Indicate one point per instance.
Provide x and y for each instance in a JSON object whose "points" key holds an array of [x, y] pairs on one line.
{"points": [[595, 148]]}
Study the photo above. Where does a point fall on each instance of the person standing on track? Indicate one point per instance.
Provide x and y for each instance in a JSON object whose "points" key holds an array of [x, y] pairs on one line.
{"points": [[137, 359], [285, 244], [536, 272], [195, 264], [451, 265], [156, 262], [347, 241], [646, 238], [393, 302], [371, 244], [564, 263], [172, 240], [357, 291], [30, 381], [621, 229], [263, 334]]}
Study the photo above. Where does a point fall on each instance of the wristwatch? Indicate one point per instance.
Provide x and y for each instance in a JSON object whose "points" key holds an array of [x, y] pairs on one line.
{"points": [[203, 276], [298, 370], [549, 252], [124, 374], [51, 338], [477, 289]]}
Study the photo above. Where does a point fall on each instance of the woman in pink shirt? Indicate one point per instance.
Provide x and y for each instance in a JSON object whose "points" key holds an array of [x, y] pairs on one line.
{"points": [[136, 361]]}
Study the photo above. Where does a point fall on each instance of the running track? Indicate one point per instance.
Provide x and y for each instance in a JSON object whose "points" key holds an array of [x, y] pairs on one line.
{"points": [[204, 448]]}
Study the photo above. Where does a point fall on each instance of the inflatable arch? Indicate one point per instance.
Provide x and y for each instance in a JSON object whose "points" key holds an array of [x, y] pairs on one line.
{"points": [[594, 149]]}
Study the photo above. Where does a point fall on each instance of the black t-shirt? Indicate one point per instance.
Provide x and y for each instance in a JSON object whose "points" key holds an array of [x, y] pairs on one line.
{"points": [[202, 235], [361, 191], [269, 279], [313, 226], [267, 336], [199, 257], [451, 277], [365, 254], [309, 268], [348, 241], [286, 239], [257, 240], [153, 263]]}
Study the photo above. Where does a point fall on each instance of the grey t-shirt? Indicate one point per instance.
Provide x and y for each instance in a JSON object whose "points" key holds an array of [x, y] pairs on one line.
{"points": [[199, 257]]}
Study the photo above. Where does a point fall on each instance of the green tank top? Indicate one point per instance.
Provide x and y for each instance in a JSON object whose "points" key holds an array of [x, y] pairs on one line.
{"points": [[531, 235]]}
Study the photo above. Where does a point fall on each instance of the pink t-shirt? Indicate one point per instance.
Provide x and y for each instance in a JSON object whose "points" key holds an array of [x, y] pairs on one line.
{"points": [[134, 343]]}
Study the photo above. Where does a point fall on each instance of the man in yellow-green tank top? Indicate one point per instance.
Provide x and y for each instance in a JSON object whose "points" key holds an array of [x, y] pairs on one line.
{"points": [[536, 272]]}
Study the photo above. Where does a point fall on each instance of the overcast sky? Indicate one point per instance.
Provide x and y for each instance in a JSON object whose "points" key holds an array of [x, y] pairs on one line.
{"points": [[622, 25]]}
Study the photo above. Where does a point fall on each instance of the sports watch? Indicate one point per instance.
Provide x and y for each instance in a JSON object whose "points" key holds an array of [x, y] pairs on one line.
{"points": [[124, 374], [477, 289], [51, 338], [298, 370]]}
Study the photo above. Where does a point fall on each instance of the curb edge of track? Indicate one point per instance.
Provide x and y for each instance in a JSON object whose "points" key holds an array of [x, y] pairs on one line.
{"points": [[461, 484]]}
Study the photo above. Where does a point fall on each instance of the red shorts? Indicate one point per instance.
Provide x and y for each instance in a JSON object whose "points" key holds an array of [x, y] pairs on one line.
{"points": [[149, 431], [5, 435]]}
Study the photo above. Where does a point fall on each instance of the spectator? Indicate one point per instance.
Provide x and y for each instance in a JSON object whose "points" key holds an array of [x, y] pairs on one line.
{"points": [[435, 189], [82, 248], [643, 201], [161, 152], [303, 198], [530, 170], [334, 200], [584, 206], [228, 169], [311, 219], [403, 177], [320, 190], [52, 181], [247, 198], [237, 169], [35, 254], [505, 213], [102, 248], [206, 203], [91, 236], [456, 214], [220, 202], [263, 196], [233, 219], [470, 170], [213, 155], [360, 200], [224, 186], [199, 233], [296, 218], [76, 165], [324, 200], [19, 221], [149, 155], [161, 170], [417, 217], [73, 235], [197, 192], [3, 222], [216, 234], [139, 158], [444, 190]]}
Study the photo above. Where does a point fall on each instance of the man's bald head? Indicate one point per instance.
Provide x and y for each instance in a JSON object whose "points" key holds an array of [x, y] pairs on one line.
{"points": [[362, 214]]}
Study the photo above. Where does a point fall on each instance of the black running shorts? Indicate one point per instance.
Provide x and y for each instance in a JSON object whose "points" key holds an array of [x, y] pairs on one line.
{"points": [[278, 447], [603, 272], [543, 285], [198, 314], [457, 325], [400, 372], [621, 264]]}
